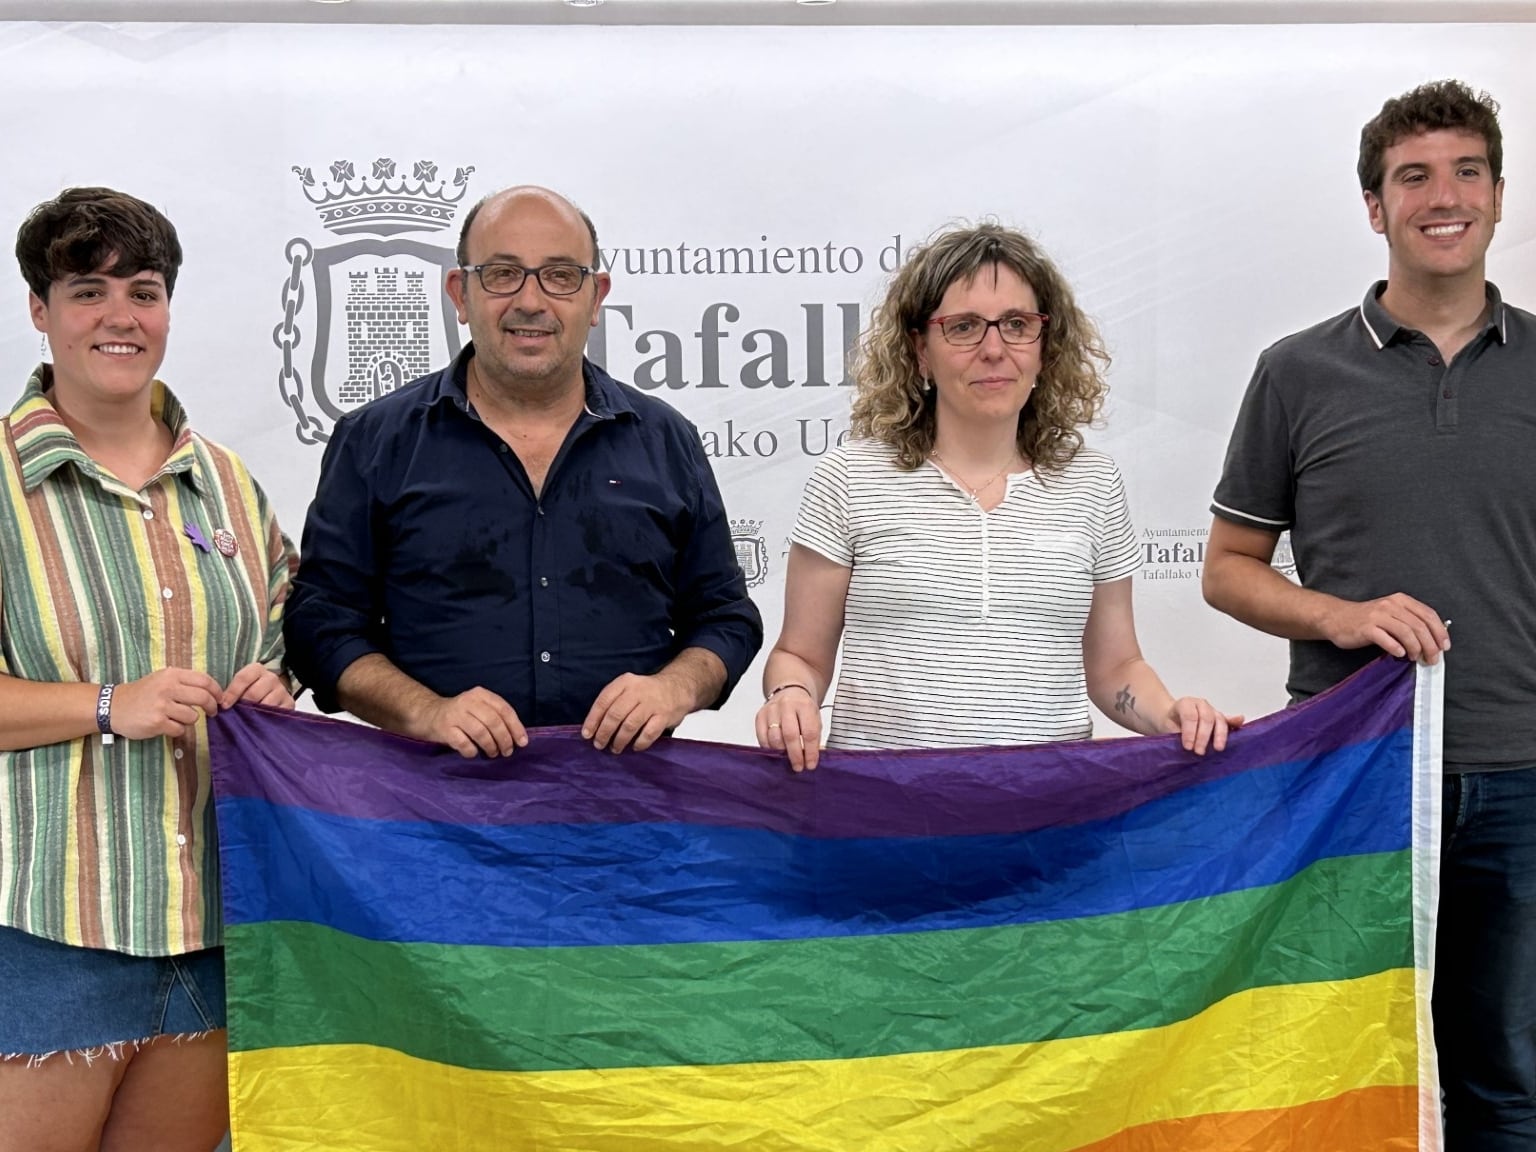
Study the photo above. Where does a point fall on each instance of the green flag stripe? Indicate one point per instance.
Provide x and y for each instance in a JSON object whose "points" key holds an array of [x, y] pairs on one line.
{"points": [[528, 1009]]}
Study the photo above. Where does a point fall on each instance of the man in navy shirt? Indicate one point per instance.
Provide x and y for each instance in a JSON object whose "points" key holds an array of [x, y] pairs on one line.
{"points": [[518, 539]]}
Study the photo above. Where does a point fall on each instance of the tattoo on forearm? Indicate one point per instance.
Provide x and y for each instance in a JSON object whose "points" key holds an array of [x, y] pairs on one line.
{"points": [[1125, 704]]}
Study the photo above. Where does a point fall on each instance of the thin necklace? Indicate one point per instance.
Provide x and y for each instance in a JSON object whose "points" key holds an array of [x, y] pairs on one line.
{"points": [[937, 459]]}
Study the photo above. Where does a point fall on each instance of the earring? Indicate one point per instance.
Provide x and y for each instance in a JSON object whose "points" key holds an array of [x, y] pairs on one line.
{"points": [[927, 383]]}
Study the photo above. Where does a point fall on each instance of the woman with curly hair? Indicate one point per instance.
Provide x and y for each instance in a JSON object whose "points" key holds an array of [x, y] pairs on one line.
{"points": [[972, 555]]}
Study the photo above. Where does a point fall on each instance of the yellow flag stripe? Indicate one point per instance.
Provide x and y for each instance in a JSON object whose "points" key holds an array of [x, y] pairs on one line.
{"points": [[1268, 1048]]}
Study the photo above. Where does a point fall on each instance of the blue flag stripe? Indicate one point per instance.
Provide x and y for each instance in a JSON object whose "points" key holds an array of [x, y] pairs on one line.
{"points": [[569, 885]]}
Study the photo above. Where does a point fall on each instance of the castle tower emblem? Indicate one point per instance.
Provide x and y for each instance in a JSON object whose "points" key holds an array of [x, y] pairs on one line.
{"points": [[751, 550], [382, 284]]}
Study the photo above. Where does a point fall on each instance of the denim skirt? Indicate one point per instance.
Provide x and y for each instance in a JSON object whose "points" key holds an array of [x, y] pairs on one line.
{"points": [[60, 998]]}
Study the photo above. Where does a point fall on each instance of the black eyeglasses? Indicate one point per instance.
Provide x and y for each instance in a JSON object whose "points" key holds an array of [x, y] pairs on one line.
{"points": [[966, 329], [507, 279]]}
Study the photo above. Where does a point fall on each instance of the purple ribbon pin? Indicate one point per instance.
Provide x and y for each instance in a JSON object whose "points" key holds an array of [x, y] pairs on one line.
{"points": [[195, 534]]}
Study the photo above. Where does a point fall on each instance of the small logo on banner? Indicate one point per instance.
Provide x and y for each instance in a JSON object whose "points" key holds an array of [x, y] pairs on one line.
{"points": [[1284, 560], [1176, 553], [381, 286], [751, 550]]}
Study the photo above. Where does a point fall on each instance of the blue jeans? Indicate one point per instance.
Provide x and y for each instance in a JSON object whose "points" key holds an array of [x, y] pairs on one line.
{"points": [[59, 998], [1485, 961]]}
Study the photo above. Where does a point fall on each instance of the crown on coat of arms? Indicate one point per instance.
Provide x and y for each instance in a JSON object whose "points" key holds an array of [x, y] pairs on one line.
{"points": [[384, 204]]}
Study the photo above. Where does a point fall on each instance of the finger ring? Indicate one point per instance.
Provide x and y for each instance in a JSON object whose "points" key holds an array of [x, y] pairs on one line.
{"points": [[774, 725]]}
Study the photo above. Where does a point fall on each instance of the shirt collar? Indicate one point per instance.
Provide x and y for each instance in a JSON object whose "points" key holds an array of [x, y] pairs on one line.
{"points": [[452, 384], [605, 396], [1383, 330], [44, 442]]}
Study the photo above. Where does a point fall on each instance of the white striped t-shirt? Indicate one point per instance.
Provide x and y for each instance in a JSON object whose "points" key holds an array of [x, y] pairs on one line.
{"points": [[964, 627]]}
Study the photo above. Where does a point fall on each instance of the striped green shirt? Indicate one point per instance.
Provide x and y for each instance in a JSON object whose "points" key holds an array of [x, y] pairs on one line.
{"points": [[112, 845]]}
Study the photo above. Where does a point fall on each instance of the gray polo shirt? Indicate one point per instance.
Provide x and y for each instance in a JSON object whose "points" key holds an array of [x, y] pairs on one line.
{"points": [[1398, 473]]}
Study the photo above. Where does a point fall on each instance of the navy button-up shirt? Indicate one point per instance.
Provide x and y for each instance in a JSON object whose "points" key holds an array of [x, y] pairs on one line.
{"points": [[426, 543]]}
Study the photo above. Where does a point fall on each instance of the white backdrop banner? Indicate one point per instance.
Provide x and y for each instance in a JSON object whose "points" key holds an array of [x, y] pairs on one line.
{"points": [[752, 189]]}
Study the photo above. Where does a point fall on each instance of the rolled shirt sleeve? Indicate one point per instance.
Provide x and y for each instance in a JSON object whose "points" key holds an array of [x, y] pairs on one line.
{"points": [[713, 610]]}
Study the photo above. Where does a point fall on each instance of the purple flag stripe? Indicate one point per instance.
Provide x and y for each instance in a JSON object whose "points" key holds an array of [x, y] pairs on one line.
{"points": [[355, 771]]}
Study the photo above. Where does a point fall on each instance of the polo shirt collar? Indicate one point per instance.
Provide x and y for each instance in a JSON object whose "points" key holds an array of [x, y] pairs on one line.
{"points": [[605, 397], [1383, 329], [44, 443]]}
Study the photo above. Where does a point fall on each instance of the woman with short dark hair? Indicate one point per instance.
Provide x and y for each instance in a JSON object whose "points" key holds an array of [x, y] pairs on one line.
{"points": [[142, 575]]}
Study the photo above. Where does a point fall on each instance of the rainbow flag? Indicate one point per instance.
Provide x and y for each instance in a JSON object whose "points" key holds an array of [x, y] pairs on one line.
{"points": [[1107, 946]]}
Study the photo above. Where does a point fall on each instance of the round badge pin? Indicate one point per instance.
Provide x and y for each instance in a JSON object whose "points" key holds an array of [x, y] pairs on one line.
{"points": [[224, 540]]}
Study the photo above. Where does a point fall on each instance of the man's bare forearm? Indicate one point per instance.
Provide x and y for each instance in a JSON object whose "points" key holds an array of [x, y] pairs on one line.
{"points": [[373, 689], [1250, 590], [699, 673]]}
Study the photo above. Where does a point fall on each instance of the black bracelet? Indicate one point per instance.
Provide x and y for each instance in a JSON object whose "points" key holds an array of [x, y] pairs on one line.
{"points": [[104, 712]]}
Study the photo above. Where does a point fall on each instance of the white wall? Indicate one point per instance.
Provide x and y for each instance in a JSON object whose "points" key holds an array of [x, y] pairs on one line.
{"points": [[1197, 183]]}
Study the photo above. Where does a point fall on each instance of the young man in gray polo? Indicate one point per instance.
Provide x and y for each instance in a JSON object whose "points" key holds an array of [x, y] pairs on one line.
{"points": [[1397, 444]]}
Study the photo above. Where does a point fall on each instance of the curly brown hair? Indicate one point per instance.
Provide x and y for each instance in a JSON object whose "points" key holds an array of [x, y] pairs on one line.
{"points": [[890, 402], [1444, 105]]}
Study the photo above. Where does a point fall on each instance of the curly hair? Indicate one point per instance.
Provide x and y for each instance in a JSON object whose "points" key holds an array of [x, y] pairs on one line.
{"points": [[891, 404], [81, 229], [1445, 105]]}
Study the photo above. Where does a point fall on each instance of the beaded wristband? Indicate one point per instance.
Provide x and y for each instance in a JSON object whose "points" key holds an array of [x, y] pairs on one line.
{"points": [[104, 712], [772, 692]]}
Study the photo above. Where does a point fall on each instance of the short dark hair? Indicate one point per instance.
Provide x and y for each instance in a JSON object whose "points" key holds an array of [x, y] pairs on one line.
{"points": [[461, 253], [1442, 105], [81, 230]]}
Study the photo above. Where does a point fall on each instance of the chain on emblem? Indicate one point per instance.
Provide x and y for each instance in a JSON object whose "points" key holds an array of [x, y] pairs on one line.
{"points": [[287, 336]]}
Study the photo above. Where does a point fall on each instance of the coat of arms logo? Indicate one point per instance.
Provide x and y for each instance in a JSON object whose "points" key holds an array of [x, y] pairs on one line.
{"points": [[1284, 558], [751, 550], [383, 286]]}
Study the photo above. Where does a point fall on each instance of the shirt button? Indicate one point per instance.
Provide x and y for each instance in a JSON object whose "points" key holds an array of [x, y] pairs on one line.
{"points": [[1435, 361], [167, 593], [178, 753], [543, 581], [501, 448], [544, 656], [181, 840], [149, 513], [1448, 394]]}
